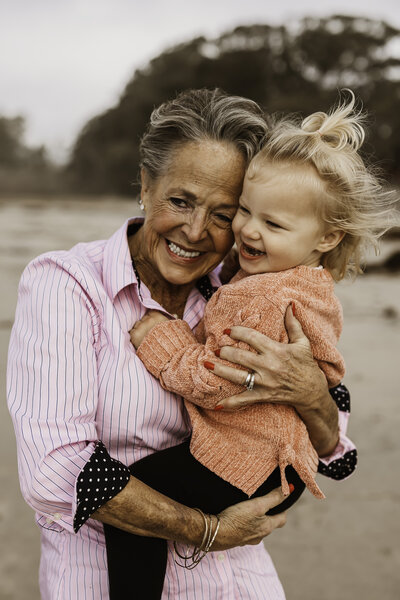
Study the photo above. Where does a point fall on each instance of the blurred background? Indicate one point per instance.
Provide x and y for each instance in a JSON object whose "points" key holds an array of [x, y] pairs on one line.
{"points": [[78, 81]]}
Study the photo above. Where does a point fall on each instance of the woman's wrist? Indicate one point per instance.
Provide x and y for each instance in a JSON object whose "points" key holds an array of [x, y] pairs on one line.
{"points": [[141, 510], [320, 416]]}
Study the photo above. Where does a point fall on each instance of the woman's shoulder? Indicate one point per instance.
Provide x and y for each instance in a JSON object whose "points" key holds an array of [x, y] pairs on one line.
{"points": [[83, 263]]}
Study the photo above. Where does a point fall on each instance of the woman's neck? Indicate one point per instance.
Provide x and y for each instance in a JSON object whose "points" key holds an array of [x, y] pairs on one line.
{"points": [[170, 296]]}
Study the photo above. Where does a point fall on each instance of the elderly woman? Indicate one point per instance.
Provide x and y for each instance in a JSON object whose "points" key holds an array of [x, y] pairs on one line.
{"points": [[83, 404]]}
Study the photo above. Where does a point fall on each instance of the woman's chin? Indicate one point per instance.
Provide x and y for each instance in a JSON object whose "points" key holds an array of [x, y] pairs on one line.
{"points": [[185, 274]]}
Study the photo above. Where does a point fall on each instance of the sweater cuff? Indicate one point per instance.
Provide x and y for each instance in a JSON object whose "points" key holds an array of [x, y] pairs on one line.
{"points": [[162, 343]]}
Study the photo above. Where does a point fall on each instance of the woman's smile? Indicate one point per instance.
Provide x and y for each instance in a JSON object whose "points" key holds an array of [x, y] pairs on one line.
{"points": [[180, 252]]}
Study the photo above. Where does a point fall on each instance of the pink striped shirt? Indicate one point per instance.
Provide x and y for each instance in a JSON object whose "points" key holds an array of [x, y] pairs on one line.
{"points": [[73, 378]]}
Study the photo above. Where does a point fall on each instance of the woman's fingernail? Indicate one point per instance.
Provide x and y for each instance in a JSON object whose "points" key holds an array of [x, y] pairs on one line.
{"points": [[227, 331], [217, 352], [209, 365], [218, 407], [291, 487], [293, 308]]}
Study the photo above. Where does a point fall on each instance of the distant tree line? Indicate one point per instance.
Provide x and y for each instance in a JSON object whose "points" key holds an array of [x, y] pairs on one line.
{"points": [[24, 169], [286, 69], [289, 68]]}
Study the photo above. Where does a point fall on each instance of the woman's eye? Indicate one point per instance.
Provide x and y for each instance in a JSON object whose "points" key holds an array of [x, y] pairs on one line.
{"points": [[225, 218], [180, 202]]}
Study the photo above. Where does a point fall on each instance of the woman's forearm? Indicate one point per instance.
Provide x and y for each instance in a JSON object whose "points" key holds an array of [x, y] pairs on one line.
{"points": [[321, 420], [141, 510]]}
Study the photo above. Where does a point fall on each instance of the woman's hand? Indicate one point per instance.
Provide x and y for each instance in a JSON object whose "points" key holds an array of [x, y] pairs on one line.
{"points": [[284, 374], [141, 328], [247, 522]]}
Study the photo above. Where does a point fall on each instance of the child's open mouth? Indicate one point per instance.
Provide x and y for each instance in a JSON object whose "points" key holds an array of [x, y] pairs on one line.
{"points": [[246, 250]]}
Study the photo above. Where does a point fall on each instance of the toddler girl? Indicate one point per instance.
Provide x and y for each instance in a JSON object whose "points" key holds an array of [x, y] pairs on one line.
{"points": [[308, 208]]}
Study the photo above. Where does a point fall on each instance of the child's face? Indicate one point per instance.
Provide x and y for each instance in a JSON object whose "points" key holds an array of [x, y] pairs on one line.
{"points": [[276, 227]]}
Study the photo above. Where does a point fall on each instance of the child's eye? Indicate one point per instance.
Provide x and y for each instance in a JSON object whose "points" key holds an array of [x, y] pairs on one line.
{"points": [[243, 209], [272, 224]]}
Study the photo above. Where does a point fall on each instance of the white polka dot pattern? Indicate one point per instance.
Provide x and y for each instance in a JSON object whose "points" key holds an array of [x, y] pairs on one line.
{"points": [[344, 466], [341, 396], [101, 479], [340, 468]]}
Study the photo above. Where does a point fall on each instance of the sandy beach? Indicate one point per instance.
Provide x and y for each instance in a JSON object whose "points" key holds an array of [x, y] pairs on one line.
{"points": [[345, 547]]}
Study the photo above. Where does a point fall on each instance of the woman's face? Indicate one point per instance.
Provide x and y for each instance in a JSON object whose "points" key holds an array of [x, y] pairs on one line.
{"points": [[189, 210]]}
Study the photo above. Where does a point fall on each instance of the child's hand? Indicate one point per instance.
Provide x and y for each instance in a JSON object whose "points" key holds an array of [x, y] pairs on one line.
{"points": [[141, 328]]}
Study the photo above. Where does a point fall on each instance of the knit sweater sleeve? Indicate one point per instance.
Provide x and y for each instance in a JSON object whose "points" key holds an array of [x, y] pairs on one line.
{"points": [[172, 353]]}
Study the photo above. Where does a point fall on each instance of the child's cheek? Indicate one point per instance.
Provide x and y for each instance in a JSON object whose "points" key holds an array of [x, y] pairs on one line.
{"points": [[236, 226]]}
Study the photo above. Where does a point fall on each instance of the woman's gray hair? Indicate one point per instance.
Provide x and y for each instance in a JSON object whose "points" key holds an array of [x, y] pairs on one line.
{"points": [[196, 115]]}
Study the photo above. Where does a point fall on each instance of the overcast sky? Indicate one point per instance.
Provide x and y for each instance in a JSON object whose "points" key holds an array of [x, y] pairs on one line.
{"points": [[63, 61]]}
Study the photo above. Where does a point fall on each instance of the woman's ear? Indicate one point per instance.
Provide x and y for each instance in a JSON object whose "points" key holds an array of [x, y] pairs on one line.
{"points": [[330, 240], [144, 178], [145, 181]]}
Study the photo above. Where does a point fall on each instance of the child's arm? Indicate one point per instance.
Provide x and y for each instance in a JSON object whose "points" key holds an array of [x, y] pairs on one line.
{"points": [[172, 353], [145, 325]]}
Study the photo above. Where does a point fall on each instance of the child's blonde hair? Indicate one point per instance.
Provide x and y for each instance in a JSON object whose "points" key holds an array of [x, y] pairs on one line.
{"points": [[354, 200]]}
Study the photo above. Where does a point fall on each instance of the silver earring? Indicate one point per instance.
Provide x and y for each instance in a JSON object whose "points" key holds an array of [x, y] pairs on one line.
{"points": [[141, 205]]}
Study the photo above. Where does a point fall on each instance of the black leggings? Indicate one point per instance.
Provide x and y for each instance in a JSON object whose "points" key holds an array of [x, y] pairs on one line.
{"points": [[137, 564]]}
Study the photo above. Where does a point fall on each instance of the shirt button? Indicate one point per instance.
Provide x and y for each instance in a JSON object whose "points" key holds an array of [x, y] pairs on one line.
{"points": [[49, 521], [221, 557], [56, 516]]}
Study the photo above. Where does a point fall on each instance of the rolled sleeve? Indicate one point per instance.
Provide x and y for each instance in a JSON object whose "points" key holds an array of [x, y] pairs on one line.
{"points": [[101, 479], [343, 460]]}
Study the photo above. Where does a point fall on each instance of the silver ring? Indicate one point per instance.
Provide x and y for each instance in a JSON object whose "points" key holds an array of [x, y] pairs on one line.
{"points": [[249, 383]]}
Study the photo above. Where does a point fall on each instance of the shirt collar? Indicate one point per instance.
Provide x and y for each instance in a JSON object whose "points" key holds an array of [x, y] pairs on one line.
{"points": [[117, 266]]}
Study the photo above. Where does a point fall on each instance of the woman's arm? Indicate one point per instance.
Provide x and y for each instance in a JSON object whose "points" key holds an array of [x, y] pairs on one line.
{"points": [[141, 510], [52, 387], [52, 395]]}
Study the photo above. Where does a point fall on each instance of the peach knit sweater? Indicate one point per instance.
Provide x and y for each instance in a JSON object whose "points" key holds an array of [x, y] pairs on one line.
{"points": [[244, 447]]}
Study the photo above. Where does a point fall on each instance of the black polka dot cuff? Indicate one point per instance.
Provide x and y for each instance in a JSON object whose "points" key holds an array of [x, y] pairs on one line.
{"points": [[205, 288], [341, 396], [341, 467], [101, 479]]}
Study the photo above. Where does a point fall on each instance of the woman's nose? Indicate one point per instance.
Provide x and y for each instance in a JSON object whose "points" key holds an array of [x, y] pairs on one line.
{"points": [[196, 228]]}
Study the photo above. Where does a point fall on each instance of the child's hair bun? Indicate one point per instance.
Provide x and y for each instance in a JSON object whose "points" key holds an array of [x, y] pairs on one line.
{"points": [[339, 128]]}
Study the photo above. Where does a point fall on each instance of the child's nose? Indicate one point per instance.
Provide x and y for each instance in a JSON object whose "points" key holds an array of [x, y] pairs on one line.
{"points": [[250, 230]]}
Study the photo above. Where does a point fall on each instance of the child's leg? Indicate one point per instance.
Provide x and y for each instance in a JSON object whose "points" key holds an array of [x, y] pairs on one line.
{"points": [[136, 565], [178, 475]]}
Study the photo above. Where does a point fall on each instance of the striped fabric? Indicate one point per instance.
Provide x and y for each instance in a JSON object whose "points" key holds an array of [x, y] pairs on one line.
{"points": [[73, 378]]}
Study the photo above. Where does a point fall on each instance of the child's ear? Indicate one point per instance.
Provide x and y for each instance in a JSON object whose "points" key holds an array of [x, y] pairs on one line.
{"points": [[330, 240]]}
